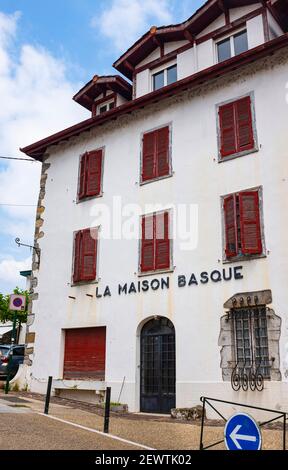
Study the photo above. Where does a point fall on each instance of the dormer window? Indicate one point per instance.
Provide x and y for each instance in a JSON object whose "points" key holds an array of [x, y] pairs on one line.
{"points": [[164, 77], [103, 108], [231, 46]]}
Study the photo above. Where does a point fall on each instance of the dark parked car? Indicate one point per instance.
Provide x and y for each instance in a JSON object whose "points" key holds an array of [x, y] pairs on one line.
{"points": [[17, 358]]}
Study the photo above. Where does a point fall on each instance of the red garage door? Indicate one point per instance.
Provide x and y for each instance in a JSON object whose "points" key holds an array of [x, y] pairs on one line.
{"points": [[84, 356]]}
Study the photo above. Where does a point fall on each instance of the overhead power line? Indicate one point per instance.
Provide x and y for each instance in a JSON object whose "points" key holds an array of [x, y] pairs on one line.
{"points": [[19, 205], [18, 158]]}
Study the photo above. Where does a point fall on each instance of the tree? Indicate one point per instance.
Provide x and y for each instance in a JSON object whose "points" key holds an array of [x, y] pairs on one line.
{"points": [[7, 315]]}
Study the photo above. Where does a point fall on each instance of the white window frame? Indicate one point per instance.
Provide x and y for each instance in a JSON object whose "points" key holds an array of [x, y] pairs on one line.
{"points": [[101, 105], [162, 69], [232, 46]]}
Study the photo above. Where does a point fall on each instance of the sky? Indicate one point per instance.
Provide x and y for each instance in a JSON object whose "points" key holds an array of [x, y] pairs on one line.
{"points": [[48, 51]]}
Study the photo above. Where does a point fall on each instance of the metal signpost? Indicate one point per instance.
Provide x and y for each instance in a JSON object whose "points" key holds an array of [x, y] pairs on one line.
{"points": [[242, 433]]}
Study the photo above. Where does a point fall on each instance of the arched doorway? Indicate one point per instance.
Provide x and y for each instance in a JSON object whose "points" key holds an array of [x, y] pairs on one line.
{"points": [[158, 366]]}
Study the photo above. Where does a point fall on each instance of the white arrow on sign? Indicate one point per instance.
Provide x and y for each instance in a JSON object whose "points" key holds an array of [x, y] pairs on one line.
{"points": [[240, 437]]}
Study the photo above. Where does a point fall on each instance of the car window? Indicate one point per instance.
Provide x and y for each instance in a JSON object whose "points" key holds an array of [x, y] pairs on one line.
{"points": [[3, 351], [18, 351]]}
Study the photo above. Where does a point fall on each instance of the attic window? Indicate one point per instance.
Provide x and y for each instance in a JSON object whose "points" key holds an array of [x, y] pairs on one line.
{"points": [[165, 77], [106, 107], [231, 46]]}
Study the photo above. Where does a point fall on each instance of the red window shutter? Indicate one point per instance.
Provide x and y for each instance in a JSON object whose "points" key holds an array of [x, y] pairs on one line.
{"points": [[162, 157], [82, 177], [88, 255], [94, 173], [84, 355], [250, 222], [147, 244], [148, 156], [245, 135], [162, 241], [77, 257], [230, 221], [227, 130]]}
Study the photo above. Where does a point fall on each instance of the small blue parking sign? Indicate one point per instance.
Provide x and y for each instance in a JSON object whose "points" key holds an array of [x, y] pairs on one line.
{"points": [[242, 433]]}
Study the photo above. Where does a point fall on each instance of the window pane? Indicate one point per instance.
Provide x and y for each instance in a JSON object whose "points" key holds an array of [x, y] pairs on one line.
{"points": [[111, 105], [241, 42], [172, 74], [103, 109], [224, 50], [158, 80]]}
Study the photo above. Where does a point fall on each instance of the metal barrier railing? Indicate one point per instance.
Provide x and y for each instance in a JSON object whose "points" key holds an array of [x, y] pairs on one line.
{"points": [[206, 400]]}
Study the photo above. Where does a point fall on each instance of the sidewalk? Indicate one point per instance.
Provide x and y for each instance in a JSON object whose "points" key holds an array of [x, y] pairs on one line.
{"points": [[161, 433]]}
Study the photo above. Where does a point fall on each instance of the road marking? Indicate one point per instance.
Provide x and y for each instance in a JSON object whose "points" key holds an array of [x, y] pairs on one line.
{"points": [[111, 436]]}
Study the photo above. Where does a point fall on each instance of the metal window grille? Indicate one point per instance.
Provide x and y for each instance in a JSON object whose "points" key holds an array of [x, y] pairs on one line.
{"points": [[251, 340]]}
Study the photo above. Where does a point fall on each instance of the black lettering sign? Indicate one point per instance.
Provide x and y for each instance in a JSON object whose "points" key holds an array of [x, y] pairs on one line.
{"points": [[181, 281], [98, 296], [165, 283], [145, 286], [216, 276], [155, 284], [225, 277], [193, 280], [107, 292], [132, 289], [204, 277], [238, 275], [122, 289]]}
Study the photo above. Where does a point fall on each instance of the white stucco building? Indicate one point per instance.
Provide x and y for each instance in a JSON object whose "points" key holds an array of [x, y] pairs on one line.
{"points": [[187, 298]]}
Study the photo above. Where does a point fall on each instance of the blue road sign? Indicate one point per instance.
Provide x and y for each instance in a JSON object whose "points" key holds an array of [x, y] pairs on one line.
{"points": [[242, 433]]}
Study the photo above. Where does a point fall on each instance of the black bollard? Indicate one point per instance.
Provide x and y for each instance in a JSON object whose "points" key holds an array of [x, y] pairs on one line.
{"points": [[107, 410], [48, 393]]}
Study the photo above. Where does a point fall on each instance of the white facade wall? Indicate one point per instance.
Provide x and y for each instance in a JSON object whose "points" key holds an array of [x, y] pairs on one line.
{"points": [[218, 23], [153, 56], [273, 24], [143, 83], [198, 179], [206, 55], [172, 46], [186, 63], [236, 13], [203, 55], [120, 100], [255, 32]]}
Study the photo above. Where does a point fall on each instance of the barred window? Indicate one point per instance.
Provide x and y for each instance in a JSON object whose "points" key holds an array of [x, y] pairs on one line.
{"points": [[251, 339]]}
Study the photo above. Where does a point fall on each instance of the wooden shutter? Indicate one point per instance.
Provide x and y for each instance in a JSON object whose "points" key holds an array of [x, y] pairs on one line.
{"points": [[147, 244], [82, 177], [88, 255], [162, 149], [227, 130], [148, 156], [230, 222], [162, 241], [77, 257], [245, 136], [84, 356], [94, 173], [251, 242]]}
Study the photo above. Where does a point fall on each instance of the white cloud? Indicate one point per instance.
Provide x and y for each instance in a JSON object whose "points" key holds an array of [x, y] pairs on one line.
{"points": [[36, 100], [9, 269], [123, 21]]}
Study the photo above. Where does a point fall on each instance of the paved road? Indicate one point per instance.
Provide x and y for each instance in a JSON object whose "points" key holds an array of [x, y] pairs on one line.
{"points": [[26, 429]]}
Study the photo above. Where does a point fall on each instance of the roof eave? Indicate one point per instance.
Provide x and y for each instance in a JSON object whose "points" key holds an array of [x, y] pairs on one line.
{"points": [[38, 149]]}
